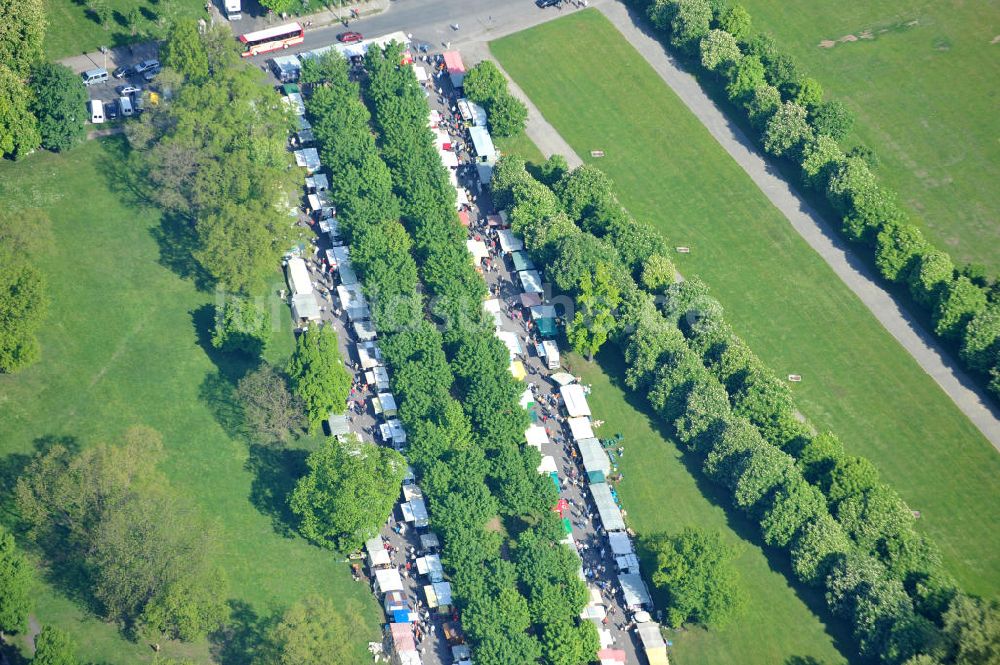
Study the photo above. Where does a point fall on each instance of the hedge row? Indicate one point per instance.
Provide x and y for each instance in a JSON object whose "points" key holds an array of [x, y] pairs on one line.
{"points": [[787, 110], [844, 531], [456, 474]]}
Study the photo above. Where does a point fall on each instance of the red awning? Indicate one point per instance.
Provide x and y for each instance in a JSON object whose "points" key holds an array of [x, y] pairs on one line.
{"points": [[453, 62], [463, 216]]}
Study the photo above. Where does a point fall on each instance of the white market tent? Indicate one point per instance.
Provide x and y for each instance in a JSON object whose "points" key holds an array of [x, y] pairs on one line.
{"points": [[548, 465], [438, 594], [478, 250], [542, 312], [433, 118], [563, 378], [575, 400], [461, 198], [353, 301], [342, 262], [536, 436], [580, 428], [287, 66], [627, 563], [317, 183], [511, 341], [387, 579], [594, 457], [392, 432], [509, 242], [414, 510], [449, 159], [478, 114], [294, 102], [482, 143], [495, 309], [420, 72], [634, 590], [430, 565], [649, 635], [411, 492], [369, 355], [386, 403], [298, 276], [441, 139], [364, 330], [377, 555], [485, 173], [429, 541], [304, 308], [610, 513], [621, 544], [531, 281], [381, 377], [527, 398], [308, 158]]}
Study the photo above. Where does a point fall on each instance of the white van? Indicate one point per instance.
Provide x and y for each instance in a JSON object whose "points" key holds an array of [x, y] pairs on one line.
{"points": [[125, 104], [92, 76], [96, 111], [551, 354]]}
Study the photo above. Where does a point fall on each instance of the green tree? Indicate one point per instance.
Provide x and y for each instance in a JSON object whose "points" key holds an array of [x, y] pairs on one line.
{"points": [[973, 628], [278, 6], [832, 118], [694, 570], [933, 271], [820, 544], [348, 493], [981, 342], [554, 168], [101, 11], [18, 127], [23, 292], [787, 130], [318, 375], [484, 83], [508, 115], [736, 21], [241, 325], [657, 272], [745, 77], [959, 302], [820, 157], [22, 35], [719, 50], [761, 103], [59, 102], [54, 647], [583, 190], [184, 52], [594, 319], [270, 411], [16, 582], [809, 93], [851, 476], [795, 503], [898, 248], [311, 632], [690, 22]]}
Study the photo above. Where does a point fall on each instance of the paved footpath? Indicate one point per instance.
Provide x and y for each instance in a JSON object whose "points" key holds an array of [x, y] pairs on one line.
{"points": [[854, 272]]}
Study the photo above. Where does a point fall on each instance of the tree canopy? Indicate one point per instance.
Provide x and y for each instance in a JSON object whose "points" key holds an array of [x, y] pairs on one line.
{"points": [[348, 493], [54, 647], [241, 325], [16, 582], [59, 103], [24, 297], [310, 632], [18, 126], [22, 35], [318, 375], [270, 411]]}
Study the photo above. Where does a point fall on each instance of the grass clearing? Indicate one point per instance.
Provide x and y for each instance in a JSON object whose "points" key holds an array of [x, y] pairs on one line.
{"points": [[126, 344], [917, 77], [779, 295]]}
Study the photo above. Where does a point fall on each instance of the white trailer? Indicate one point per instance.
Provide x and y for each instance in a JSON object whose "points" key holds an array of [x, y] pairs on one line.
{"points": [[551, 354]]}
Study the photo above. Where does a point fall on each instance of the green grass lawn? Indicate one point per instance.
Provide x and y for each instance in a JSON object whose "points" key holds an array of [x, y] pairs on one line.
{"points": [[661, 494], [779, 295], [124, 345], [74, 29], [924, 91]]}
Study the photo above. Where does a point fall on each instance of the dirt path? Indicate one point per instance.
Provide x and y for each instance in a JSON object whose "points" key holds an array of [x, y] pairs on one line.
{"points": [[851, 269]]}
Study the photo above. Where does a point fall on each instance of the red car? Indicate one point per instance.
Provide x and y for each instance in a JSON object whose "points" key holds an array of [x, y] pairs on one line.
{"points": [[349, 37]]}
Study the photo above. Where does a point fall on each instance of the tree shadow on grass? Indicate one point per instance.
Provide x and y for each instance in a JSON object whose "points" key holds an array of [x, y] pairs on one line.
{"points": [[275, 471], [243, 637], [612, 363], [178, 242]]}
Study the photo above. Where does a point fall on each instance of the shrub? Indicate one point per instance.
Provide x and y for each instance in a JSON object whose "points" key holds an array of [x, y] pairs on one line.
{"points": [[981, 342]]}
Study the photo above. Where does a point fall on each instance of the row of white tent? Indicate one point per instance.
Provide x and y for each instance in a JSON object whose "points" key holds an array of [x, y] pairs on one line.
{"points": [[289, 67]]}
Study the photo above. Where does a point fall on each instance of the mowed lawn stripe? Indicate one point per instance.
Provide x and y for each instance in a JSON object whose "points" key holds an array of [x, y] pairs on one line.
{"points": [[121, 348], [779, 295]]}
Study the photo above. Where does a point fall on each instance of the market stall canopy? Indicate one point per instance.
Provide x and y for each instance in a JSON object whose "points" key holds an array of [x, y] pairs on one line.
{"points": [[594, 457], [649, 634], [485, 173], [448, 158], [304, 308], [635, 592], [294, 101], [395, 600], [530, 299], [607, 508], [364, 330], [509, 242], [387, 403], [353, 301], [531, 281], [542, 312], [369, 355], [434, 118], [338, 424], [522, 261], [377, 555], [298, 276], [517, 370], [287, 66], [462, 197], [392, 432], [575, 400], [563, 378], [628, 563], [429, 541], [548, 465], [482, 143], [420, 72], [611, 657], [527, 398], [536, 436], [342, 256], [580, 428], [308, 158], [464, 219], [511, 341], [317, 183], [453, 62], [620, 543], [430, 565], [494, 309], [415, 510], [438, 594], [388, 579], [478, 250]]}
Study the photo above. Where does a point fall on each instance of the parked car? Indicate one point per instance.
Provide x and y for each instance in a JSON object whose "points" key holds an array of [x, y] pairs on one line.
{"points": [[542, 4], [111, 110], [96, 111], [128, 89], [349, 37], [151, 74], [145, 66], [121, 72], [92, 76]]}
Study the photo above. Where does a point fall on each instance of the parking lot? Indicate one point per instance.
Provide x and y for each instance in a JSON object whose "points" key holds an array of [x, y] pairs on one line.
{"points": [[108, 91]]}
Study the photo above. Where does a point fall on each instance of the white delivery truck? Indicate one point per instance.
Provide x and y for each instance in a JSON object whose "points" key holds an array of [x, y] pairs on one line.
{"points": [[96, 111], [551, 354], [233, 10]]}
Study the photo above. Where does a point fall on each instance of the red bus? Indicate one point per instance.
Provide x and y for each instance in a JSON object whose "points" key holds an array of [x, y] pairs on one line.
{"points": [[272, 39]]}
